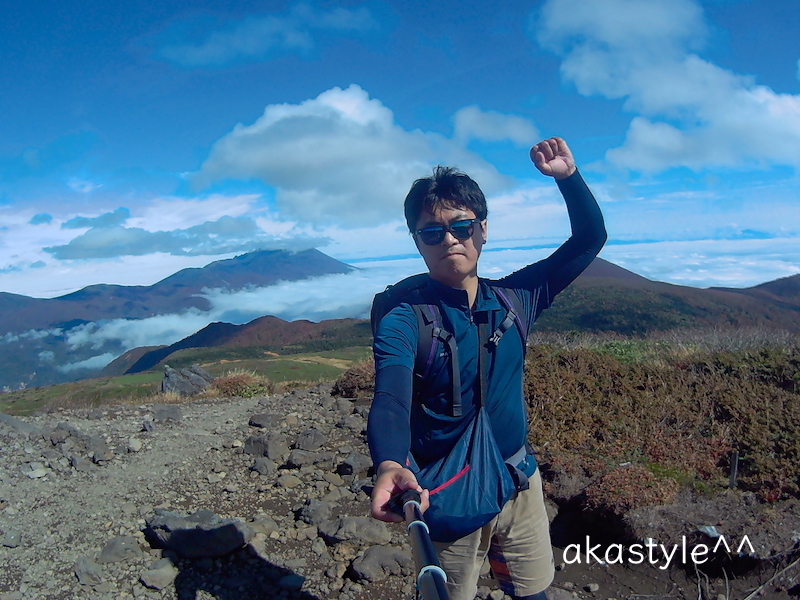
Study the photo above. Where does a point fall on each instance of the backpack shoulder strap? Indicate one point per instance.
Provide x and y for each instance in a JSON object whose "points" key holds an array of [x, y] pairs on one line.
{"points": [[431, 326], [514, 316], [432, 331]]}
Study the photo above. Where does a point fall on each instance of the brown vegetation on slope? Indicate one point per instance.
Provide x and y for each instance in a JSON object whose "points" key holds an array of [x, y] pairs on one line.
{"points": [[625, 422], [592, 413], [357, 382]]}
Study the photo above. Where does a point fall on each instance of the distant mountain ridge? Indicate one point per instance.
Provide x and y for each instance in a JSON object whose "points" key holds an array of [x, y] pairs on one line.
{"points": [[172, 295], [35, 345], [784, 291], [605, 297], [268, 333]]}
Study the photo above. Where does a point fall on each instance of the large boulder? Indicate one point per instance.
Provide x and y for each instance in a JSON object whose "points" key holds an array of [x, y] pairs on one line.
{"points": [[378, 562], [200, 535], [359, 530], [185, 382]]}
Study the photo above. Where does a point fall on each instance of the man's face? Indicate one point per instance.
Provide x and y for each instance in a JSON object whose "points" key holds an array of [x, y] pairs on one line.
{"points": [[452, 260]]}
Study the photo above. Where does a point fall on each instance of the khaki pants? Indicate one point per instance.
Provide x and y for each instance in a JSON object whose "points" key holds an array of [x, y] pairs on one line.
{"points": [[517, 542]]}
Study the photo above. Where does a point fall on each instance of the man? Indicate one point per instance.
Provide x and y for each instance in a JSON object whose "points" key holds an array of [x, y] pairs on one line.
{"points": [[446, 213]]}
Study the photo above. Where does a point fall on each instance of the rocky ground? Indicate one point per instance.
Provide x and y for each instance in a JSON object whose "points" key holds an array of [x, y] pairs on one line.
{"points": [[244, 499]]}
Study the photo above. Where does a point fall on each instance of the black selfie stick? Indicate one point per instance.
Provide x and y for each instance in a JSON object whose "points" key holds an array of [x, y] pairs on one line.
{"points": [[431, 578]]}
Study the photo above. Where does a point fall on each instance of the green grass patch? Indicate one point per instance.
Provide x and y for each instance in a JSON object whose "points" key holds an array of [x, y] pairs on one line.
{"points": [[633, 350], [323, 366], [287, 370], [84, 393]]}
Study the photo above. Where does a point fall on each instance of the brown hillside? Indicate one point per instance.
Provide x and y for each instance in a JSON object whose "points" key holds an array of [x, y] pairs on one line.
{"points": [[121, 364], [266, 332], [608, 298], [784, 292]]}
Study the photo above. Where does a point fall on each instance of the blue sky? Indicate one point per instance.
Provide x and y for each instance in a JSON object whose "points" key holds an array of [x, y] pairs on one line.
{"points": [[139, 138]]}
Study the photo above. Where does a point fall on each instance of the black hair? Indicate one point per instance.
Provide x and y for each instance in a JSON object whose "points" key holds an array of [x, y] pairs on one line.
{"points": [[446, 188]]}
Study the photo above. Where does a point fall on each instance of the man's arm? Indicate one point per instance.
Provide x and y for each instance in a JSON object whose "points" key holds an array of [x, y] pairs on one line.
{"points": [[553, 158], [388, 425]]}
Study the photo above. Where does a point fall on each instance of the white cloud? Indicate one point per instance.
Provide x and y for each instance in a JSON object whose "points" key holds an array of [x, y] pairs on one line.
{"points": [[91, 364], [369, 242], [154, 331], [527, 216], [169, 213], [163, 235], [706, 263], [31, 334], [256, 37], [21, 243], [107, 236], [56, 278], [490, 125], [102, 221], [721, 211], [605, 40], [83, 186], [327, 297], [692, 113], [331, 296], [338, 158]]}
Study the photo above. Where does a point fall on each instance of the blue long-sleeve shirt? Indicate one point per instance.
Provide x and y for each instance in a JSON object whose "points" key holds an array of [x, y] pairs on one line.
{"points": [[426, 427]]}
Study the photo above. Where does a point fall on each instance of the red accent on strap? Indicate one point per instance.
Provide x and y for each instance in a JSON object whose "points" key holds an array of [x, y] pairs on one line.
{"points": [[453, 479]]}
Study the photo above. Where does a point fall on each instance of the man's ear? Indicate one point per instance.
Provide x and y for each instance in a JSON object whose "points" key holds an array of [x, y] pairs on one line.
{"points": [[484, 228]]}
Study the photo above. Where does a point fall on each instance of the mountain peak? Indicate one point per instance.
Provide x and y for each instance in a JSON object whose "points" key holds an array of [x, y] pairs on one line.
{"points": [[173, 294], [602, 268]]}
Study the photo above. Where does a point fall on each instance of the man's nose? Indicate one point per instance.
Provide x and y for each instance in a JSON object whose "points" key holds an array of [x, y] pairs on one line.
{"points": [[449, 239]]}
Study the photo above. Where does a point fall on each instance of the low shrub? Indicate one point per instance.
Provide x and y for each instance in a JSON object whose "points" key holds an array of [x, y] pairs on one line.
{"points": [[627, 487], [244, 384], [357, 382], [682, 417]]}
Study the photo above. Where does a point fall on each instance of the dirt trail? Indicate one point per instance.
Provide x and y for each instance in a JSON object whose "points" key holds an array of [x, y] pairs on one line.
{"points": [[73, 481]]}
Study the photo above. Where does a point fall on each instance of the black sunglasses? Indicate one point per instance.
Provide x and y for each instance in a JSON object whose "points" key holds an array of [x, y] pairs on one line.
{"points": [[434, 234]]}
